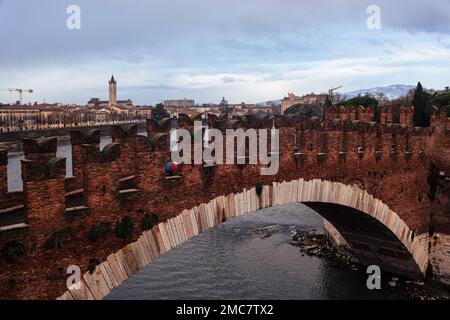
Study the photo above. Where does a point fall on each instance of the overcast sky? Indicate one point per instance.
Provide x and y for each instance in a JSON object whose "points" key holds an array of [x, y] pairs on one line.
{"points": [[245, 50]]}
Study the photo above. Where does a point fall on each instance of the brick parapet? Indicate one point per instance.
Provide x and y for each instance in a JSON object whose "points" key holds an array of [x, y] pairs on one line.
{"points": [[41, 150]]}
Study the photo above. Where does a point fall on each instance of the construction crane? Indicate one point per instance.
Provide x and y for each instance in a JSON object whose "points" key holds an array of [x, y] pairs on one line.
{"points": [[331, 95], [20, 91], [330, 92]]}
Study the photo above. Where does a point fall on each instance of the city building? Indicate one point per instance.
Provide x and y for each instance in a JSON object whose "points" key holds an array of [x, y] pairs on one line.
{"points": [[289, 101], [308, 99], [175, 111], [120, 106], [112, 92], [180, 103], [44, 116], [243, 108]]}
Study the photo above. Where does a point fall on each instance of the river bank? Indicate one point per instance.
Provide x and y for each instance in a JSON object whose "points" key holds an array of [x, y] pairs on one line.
{"points": [[316, 244]]}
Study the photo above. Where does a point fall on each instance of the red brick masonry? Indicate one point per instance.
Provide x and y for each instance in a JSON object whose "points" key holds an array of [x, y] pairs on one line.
{"points": [[393, 163]]}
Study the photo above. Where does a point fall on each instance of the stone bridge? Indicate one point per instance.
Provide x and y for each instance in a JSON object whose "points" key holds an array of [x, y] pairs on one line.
{"points": [[383, 187]]}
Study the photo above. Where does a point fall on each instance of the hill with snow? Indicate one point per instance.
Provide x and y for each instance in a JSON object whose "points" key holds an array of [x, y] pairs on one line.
{"points": [[391, 92]]}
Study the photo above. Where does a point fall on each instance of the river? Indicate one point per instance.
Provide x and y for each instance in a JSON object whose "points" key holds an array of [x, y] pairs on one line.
{"points": [[236, 260]]}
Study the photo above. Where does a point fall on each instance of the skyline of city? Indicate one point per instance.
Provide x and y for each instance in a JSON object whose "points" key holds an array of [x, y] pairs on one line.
{"points": [[253, 54]]}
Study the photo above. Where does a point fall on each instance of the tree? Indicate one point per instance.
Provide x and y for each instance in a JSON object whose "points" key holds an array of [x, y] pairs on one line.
{"points": [[381, 97], [421, 102], [304, 111], [328, 102], [365, 101], [442, 99], [159, 112], [327, 105]]}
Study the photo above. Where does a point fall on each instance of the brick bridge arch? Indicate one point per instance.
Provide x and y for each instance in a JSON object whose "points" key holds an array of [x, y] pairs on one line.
{"points": [[400, 251]]}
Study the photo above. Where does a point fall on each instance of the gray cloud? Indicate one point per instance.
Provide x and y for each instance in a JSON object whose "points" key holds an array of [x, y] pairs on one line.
{"points": [[165, 27], [228, 79], [168, 45]]}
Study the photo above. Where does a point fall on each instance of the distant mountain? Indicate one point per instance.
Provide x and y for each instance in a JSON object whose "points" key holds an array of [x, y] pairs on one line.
{"points": [[391, 92]]}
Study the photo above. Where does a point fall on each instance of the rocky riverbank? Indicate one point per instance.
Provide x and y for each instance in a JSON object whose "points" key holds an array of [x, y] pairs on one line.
{"points": [[318, 245]]}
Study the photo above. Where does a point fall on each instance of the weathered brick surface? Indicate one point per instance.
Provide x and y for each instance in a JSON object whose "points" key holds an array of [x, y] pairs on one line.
{"points": [[349, 113], [391, 162], [77, 140], [3, 175], [40, 150]]}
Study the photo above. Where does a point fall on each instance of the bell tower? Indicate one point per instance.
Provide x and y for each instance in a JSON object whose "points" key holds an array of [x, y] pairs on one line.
{"points": [[112, 92]]}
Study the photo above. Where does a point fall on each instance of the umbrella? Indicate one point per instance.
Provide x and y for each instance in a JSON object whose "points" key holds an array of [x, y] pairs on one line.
{"points": [[171, 166]]}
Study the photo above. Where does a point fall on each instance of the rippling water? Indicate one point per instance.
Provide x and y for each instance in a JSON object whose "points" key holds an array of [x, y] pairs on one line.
{"points": [[236, 261]]}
